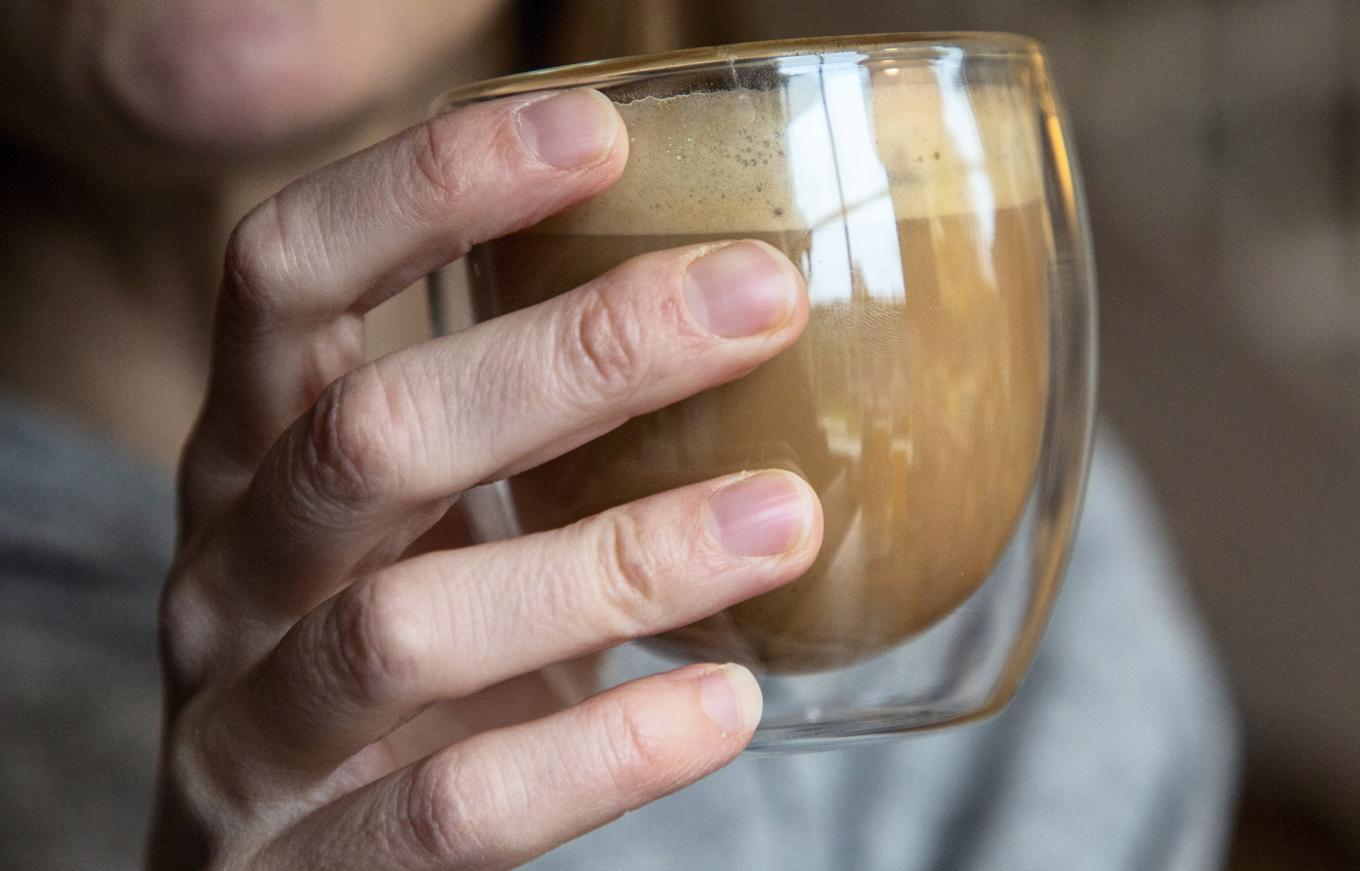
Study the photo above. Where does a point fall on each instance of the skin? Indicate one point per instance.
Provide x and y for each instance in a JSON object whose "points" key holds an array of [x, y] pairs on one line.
{"points": [[334, 696]]}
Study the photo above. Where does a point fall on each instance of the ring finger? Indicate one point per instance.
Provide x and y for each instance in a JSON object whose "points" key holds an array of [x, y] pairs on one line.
{"points": [[446, 625], [501, 798]]}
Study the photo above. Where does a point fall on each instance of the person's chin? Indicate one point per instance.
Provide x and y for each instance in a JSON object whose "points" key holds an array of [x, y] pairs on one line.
{"points": [[246, 83]]}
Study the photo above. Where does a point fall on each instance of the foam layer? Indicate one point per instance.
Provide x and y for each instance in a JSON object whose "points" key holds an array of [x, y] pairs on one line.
{"points": [[816, 150]]}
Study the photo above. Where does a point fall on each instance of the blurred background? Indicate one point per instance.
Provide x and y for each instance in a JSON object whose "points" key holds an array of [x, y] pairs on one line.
{"points": [[1220, 141]]}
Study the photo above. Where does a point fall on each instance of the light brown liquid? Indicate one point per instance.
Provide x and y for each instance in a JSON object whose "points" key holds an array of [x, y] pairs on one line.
{"points": [[913, 404]]}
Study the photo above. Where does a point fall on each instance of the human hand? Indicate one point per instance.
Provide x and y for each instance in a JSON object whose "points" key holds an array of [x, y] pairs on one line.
{"points": [[298, 638]]}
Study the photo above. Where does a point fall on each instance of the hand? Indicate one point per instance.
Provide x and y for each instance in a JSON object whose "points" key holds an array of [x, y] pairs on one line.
{"points": [[299, 643]]}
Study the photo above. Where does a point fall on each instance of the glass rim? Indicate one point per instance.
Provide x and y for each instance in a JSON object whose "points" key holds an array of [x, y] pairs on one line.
{"points": [[883, 45]]}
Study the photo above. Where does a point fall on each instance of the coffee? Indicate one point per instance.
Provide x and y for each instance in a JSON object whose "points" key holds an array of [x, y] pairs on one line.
{"points": [[914, 401]]}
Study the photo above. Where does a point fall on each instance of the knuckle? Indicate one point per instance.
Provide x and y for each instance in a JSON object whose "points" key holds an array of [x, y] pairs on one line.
{"points": [[202, 760], [256, 263], [374, 649], [354, 448], [630, 576], [603, 347], [185, 761], [188, 635], [441, 817], [634, 755], [204, 821], [441, 164]]}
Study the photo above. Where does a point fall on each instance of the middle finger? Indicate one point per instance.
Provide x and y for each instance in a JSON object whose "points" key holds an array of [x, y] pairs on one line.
{"points": [[393, 438]]}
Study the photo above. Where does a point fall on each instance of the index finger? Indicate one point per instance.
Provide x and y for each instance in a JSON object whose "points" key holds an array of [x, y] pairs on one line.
{"points": [[304, 267]]}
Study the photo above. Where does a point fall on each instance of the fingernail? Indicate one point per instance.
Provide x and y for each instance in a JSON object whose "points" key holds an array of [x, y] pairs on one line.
{"points": [[761, 515], [730, 695], [739, 290], [570, 130]]}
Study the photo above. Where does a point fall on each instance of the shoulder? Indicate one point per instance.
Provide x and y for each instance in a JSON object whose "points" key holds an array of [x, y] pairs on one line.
{"points": [[66, 492], [85, 531], [85, 541], [1121, 748]]}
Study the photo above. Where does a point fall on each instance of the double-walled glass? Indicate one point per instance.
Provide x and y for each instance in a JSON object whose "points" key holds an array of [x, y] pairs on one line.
{"points": [[939, 401]]}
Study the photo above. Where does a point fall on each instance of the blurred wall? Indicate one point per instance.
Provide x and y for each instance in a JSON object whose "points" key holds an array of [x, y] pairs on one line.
{"points": [[1221, 146]]}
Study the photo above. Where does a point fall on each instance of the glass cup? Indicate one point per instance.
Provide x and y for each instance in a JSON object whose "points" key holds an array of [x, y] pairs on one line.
{"points": [[939, 401]]}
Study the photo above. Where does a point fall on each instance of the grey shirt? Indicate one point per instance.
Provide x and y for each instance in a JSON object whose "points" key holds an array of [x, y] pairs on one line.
{"points": [[1118, 752]]}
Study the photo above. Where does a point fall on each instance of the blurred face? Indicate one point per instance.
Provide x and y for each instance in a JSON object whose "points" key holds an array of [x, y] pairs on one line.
{"points": [[214, 76]]}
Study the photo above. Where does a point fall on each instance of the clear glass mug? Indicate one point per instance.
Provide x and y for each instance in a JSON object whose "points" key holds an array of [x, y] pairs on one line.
{"points": [[940, 400]]}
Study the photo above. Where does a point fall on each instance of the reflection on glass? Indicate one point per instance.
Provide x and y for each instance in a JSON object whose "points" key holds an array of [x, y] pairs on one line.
{"points": [[912, 201]]}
